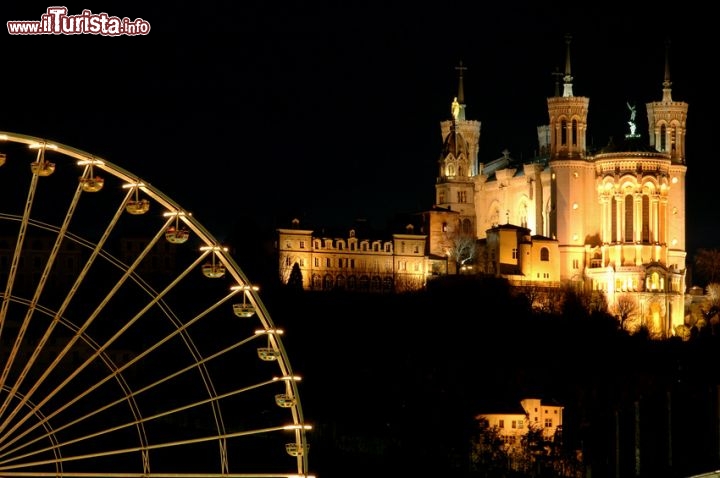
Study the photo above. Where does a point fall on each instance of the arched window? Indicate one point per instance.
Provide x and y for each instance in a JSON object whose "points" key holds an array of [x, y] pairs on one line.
{"points": [[629, 218], [613, 219], [466, 226], [663, 139], [316, 282], [645, 218], [328, 282], [523, 215], [563, 133], [544, 254], [364, 283]]}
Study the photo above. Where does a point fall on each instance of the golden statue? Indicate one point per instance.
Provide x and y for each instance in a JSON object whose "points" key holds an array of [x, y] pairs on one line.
{"points": [[455, 108]]}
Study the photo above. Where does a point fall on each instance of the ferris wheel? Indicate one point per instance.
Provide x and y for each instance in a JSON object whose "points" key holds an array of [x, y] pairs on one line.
{"points": [[131, 343]]}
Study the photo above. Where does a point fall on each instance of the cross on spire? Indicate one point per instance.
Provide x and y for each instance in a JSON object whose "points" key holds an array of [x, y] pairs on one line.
{"points": [[461, 90], [567, 89]]}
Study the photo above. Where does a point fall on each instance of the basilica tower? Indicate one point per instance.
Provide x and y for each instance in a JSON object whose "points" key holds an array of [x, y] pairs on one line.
{"points": [[570, 209], [458, 163], [666, 124]]}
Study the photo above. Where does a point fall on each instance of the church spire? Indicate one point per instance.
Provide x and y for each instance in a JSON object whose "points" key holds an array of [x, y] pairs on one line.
{"points": [[667, 91], [461, 88], [567, 90], [667, 120], [458, 104]]}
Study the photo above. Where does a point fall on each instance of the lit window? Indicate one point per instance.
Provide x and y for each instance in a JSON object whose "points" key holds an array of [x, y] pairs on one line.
{"points": [[544, 254]]}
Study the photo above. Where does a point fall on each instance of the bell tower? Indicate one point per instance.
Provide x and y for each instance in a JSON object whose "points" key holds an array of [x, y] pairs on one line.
{"points": [[572, 177], [666, 124], [667, 119], [458, 163], [568, 118]]}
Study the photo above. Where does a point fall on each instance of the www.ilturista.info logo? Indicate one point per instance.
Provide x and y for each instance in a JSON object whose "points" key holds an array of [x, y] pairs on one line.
{"points": [[56, 21]]}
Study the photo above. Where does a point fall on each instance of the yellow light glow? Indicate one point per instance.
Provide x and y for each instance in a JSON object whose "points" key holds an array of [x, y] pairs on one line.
{"points": [[297, 427], [270, 332], [83, 162], [133, 185], [674, 180], [575, 205], [245, 287], [42, 145], [294, 378], [213, 248], [175, 214]]}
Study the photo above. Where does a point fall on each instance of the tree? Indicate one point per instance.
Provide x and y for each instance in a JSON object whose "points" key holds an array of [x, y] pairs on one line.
{"points": [[710, 308], [295, 281], [488, 454], [707, 265], [462, 249], [625, 308]]}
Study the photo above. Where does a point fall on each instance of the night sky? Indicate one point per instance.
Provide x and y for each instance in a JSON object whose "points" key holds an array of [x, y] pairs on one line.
{"points": [[330, 113]]}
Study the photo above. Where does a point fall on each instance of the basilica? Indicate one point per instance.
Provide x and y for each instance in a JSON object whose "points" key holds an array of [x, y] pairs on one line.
{"points": [[610, 220]]}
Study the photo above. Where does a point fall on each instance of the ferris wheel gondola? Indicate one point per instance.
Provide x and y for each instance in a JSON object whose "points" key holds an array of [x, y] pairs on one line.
{"points": [[41, 166], [176, 234], [245, 309], [89, 182], [135, 205]]}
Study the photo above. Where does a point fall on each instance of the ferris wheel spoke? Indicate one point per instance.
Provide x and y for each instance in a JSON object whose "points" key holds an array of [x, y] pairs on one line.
{"points": [[31, 309], [125, 349]]}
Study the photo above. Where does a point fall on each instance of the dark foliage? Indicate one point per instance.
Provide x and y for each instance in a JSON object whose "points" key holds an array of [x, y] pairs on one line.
{"points": [[395, 381]]}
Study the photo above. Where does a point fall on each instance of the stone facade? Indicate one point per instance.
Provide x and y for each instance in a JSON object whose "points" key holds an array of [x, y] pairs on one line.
{"points": [[351, 263]]}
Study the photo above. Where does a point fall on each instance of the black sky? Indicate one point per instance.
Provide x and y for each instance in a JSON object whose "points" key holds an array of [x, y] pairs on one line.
{"points": [[331, 112]]}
